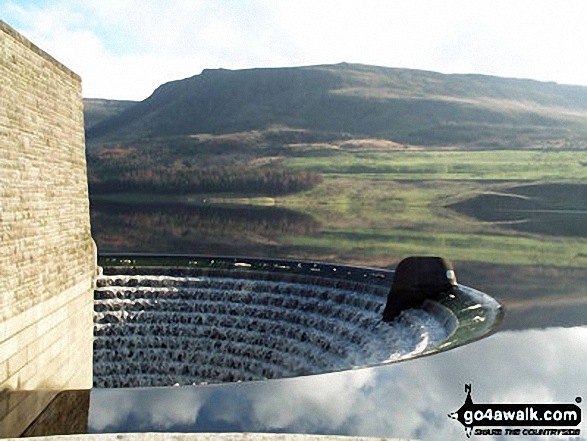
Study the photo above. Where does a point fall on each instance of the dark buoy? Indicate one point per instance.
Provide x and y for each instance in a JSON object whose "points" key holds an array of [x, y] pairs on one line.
{"points": [[417, 279]]}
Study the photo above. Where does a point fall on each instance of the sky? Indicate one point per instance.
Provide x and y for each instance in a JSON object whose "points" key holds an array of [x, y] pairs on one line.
{"points": [[125, 49]]}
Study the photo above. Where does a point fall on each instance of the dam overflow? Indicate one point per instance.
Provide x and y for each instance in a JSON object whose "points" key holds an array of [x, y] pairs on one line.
{"points": [[161, 330], [163, 321]]}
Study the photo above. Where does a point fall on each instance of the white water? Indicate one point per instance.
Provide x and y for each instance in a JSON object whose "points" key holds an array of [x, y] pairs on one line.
{"points": [[161, 331]]}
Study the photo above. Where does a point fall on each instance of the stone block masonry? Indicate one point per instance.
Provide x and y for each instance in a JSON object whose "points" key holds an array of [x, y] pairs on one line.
{"points": [[47, 256]]}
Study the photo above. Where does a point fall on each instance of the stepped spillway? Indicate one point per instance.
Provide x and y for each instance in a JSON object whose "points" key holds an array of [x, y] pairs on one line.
{"points": [[163, 330]]}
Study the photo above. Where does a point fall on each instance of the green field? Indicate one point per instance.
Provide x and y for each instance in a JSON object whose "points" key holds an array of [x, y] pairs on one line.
{"points": [[394, 204], [376, 207], [519, 165]]}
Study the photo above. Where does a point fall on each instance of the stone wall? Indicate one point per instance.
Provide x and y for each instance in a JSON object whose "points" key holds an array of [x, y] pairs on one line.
{"points": [[47, 256]]}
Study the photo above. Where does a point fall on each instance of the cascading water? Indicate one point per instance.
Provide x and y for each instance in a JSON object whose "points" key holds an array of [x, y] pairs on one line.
{"points": [[153, 330]]}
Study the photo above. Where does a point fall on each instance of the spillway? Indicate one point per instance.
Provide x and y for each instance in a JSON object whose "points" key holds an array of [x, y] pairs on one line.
{"points": [[250, 320]]}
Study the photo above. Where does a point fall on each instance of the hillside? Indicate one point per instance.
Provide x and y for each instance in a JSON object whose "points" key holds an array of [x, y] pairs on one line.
{"points": [[97, 110], [347, 100]]}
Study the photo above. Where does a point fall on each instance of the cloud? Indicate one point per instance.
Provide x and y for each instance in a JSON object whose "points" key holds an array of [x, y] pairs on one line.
{"points": [[126, 48], [295, 403], [155, 409], [409, 399], [412, 399]]}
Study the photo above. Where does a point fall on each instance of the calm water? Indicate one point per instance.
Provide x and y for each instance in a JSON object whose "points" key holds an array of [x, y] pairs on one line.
{"points": [[538, 355], [214, 230]]}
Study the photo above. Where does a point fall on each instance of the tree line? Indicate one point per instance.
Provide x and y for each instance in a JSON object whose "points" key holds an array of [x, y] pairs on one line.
{"points": [[270, 181]]}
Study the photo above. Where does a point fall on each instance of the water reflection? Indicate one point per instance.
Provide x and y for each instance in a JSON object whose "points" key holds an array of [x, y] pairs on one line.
{"points": [[178, 228], [533, 296], [160, 409], [546, 209], [410, 399]]}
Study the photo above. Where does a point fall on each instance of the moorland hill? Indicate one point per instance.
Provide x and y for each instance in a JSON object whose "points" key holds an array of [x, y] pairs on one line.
{"points": [[402, 105]]}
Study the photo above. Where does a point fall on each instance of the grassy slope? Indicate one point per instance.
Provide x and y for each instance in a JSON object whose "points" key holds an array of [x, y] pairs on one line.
{"points": [[407, 106], [397, 209], [97, 110], [450, 165]]}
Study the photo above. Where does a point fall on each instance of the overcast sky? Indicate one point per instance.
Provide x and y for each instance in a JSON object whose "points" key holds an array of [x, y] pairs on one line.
{"points": [[124, 49]]}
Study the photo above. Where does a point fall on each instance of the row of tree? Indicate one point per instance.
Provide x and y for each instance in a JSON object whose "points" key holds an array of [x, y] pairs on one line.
{"points": [[270, 181]]}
